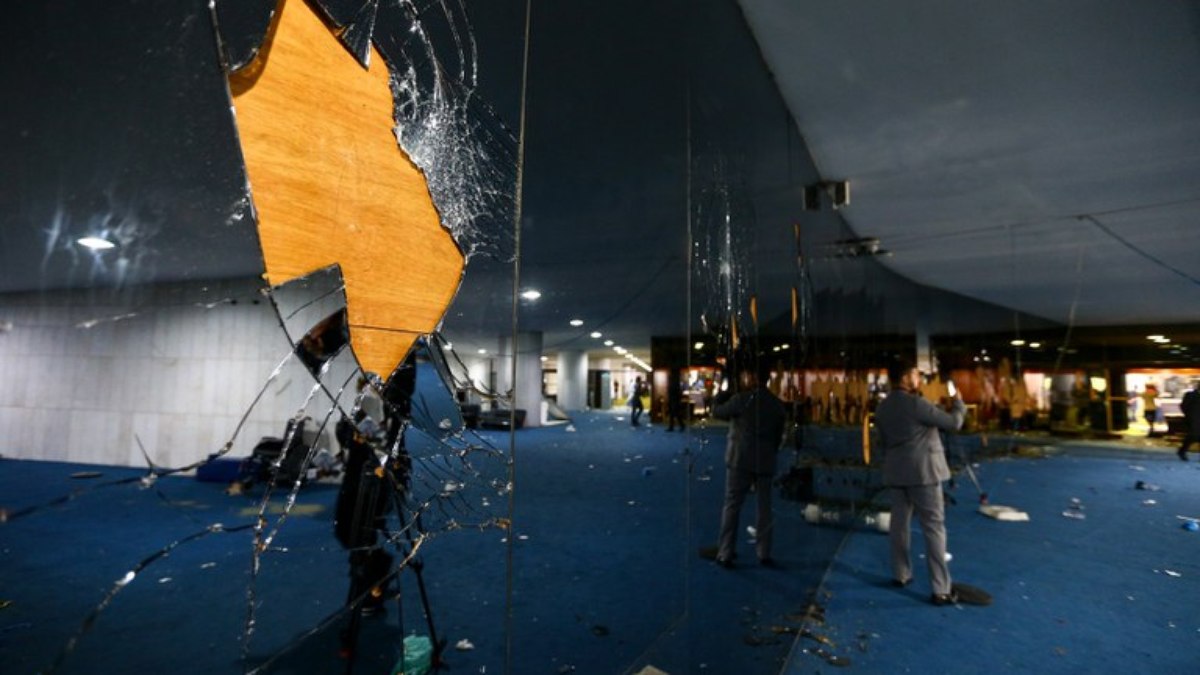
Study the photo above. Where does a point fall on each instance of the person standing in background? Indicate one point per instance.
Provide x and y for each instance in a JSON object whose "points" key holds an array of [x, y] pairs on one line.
{"points": [[635, 401], [757, 421], [914, 468]]}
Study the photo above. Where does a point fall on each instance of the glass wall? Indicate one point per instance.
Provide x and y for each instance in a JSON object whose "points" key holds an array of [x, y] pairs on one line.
{"points": [[335, 334]]}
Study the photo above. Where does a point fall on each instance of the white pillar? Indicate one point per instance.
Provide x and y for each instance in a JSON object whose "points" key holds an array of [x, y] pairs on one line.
{"points": [[527, 393], [572, 380]]}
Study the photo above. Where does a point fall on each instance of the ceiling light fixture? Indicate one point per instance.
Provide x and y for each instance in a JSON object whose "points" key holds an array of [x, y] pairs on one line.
{"points": [[1017, 343], [698, 345], [1035, 345], [95, 243], [531, 294], [482, 351], [597, 334], [577, 322], [608, 343]]}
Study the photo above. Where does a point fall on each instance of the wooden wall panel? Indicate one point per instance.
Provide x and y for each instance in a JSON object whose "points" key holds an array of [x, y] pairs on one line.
{"points": [[331, 185]]}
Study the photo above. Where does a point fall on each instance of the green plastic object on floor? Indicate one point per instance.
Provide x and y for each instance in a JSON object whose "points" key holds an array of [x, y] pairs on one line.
{"points": [[418, 655]]}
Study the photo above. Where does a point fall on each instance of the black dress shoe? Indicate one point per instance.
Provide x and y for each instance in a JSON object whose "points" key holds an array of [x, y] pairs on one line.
{"points": [[941, 599], [898, 583]]}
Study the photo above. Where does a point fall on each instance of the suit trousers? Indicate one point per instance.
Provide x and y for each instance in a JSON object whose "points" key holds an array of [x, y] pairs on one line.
{"points": [[926, 500], [737, 484]]}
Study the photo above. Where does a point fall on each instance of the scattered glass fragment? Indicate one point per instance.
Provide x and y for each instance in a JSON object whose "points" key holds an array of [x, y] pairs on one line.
{"points": [[1074, 515], [1148, 502], [570, 428], [464, 645]]}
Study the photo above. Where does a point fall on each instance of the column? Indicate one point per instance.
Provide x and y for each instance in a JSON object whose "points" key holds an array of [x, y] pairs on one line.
{"points": [[572, 380], [527, 393]]}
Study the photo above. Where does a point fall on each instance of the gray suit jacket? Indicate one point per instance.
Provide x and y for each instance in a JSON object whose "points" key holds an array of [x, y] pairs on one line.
{"points": [[908, 426], [756, 433]]}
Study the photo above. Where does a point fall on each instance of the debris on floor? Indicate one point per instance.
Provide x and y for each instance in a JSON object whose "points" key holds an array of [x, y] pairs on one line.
{"points": [[1005, 513]]}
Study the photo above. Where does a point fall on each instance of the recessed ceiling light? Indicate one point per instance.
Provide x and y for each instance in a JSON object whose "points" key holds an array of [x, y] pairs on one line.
{"points": [[95, 243], [531, 294], [698, 345], [1153, 338], [577, 322], [1035, 345], [608, 343], [482, 351], [1017, 343], [545, 359], [597, 334]]}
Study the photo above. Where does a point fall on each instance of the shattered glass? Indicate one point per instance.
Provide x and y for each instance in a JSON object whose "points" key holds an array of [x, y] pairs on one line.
{"points": [[198, 475]]}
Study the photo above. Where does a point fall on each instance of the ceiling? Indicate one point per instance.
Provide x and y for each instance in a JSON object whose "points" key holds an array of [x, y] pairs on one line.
{"points": [[1041, 156], [1041, 159]]}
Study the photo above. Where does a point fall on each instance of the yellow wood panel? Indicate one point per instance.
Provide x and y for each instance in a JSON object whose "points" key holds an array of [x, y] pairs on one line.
{"points": [[331, 185]]}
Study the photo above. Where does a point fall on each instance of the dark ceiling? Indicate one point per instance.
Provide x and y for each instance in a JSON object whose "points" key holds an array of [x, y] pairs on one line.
{"points": [[1027, 165]]}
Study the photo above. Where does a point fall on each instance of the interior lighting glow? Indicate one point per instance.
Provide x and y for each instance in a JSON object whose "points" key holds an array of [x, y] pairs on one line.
{"points": [[1017, 343], [1152, 338], [545, 359], [95, 243], [531, 294], [608, 343], [698, 345], [577, 322], [597, 334], [1035, 345], [482, 351]]}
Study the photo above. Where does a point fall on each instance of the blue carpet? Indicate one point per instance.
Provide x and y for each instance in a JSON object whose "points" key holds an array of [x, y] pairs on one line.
{"points": [[1114, 592], [605, 575]]}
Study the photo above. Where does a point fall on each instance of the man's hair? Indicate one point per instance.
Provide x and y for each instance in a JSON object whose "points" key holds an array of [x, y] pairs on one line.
{"points": [[762, 370], [897, 369]]}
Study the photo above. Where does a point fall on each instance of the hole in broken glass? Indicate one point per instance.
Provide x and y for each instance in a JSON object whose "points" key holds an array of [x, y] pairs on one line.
{"points": [[455, 476]]}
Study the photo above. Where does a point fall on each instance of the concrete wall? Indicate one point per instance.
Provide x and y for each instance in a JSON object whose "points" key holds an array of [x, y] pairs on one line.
{"points": [[177, 374]]}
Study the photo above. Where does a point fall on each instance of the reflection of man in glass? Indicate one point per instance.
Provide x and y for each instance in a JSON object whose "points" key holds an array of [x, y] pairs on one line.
{"points": [[1150, 406], [635, 401], [1190, 406], [914, 467], [376, 480], [757, 420]]}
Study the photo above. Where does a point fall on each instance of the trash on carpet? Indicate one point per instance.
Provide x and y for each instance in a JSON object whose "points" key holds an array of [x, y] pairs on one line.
{"points": [[1005, 513]]}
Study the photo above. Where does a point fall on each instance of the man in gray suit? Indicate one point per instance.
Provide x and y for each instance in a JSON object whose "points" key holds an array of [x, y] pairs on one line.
{"points": [[914, 467], [757, 423]]}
